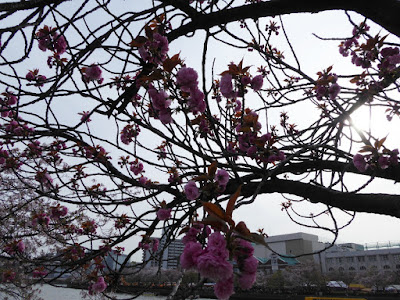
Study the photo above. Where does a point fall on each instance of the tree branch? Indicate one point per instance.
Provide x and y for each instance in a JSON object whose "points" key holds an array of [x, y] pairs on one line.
{"points": [[385, 14], [386, 204], [23, 5]]}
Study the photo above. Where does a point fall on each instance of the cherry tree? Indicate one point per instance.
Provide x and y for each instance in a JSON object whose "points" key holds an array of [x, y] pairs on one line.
{"points": [[111, 133]]}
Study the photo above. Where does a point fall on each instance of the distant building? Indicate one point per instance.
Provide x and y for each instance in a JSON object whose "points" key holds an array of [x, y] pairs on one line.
{"points": [[346, 257], [170, 256], [113, 261], [275, 263], [358, 259], [289, 245]]}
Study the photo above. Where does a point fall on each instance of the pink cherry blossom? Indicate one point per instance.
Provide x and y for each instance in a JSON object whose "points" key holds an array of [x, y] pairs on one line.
{"points": [[196, 101], [222, 177], [92, 73], [249, 265], [190, 255], [164, 213], [333, 91], [154, 245], [136, 167], [383, 162], [165, 116], [360, 163], [243, 249], [191, 191], [226, 87], [246, 280], [223, 289], [186, 78], [98, 287], [214, 267], [216, 240], [257, 82]]}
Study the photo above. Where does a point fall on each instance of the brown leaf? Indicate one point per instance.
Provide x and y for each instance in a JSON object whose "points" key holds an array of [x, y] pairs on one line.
{"points": [[214, 210], [242, 229], [212, 169], [231, 203], [138, 41], [170, 63]]}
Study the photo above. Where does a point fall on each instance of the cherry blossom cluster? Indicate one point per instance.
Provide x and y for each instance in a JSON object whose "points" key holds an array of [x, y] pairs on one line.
{"points": [[49, 39], [129, 132], [44, 178], [214, 261], [377, 160], [251, 143], [163, 212], [36, 78], [55, 213], [14, 247], [370, 54], [149, 244], [155, 49], [186, 79], [92, 73], [136, 167], [122, 221], [160, 104], [6, 102], [326, 85], [237, 88], [98, 287]]}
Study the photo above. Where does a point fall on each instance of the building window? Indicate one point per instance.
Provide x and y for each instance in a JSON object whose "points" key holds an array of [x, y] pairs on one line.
{"points": [[363, 268], [386, 267], [352, 269], [361, 258], [341, 269], [396, 257], [384, 257], [331, 269], [350, 259], [339, 260], [372, 258], [329, 260]]}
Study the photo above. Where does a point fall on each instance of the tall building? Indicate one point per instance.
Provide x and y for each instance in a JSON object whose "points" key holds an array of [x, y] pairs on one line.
{"points": [[170, 255]]}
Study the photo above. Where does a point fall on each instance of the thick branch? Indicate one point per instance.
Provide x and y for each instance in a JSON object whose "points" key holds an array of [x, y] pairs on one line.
{"points": [[392, 173], [385, 13], [385, 204], [22, 5]]}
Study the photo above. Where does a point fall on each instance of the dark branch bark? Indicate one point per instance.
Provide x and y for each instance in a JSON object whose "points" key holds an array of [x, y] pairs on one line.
{"points": [[385, 13], [23, 5], [385, 204], [392, 173]]}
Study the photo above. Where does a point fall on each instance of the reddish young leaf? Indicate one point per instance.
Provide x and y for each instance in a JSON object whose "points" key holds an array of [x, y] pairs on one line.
{"points": [[212, 169], [138, 42], [170, 63], [232, 200], [215, 210], [242, 229]]}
